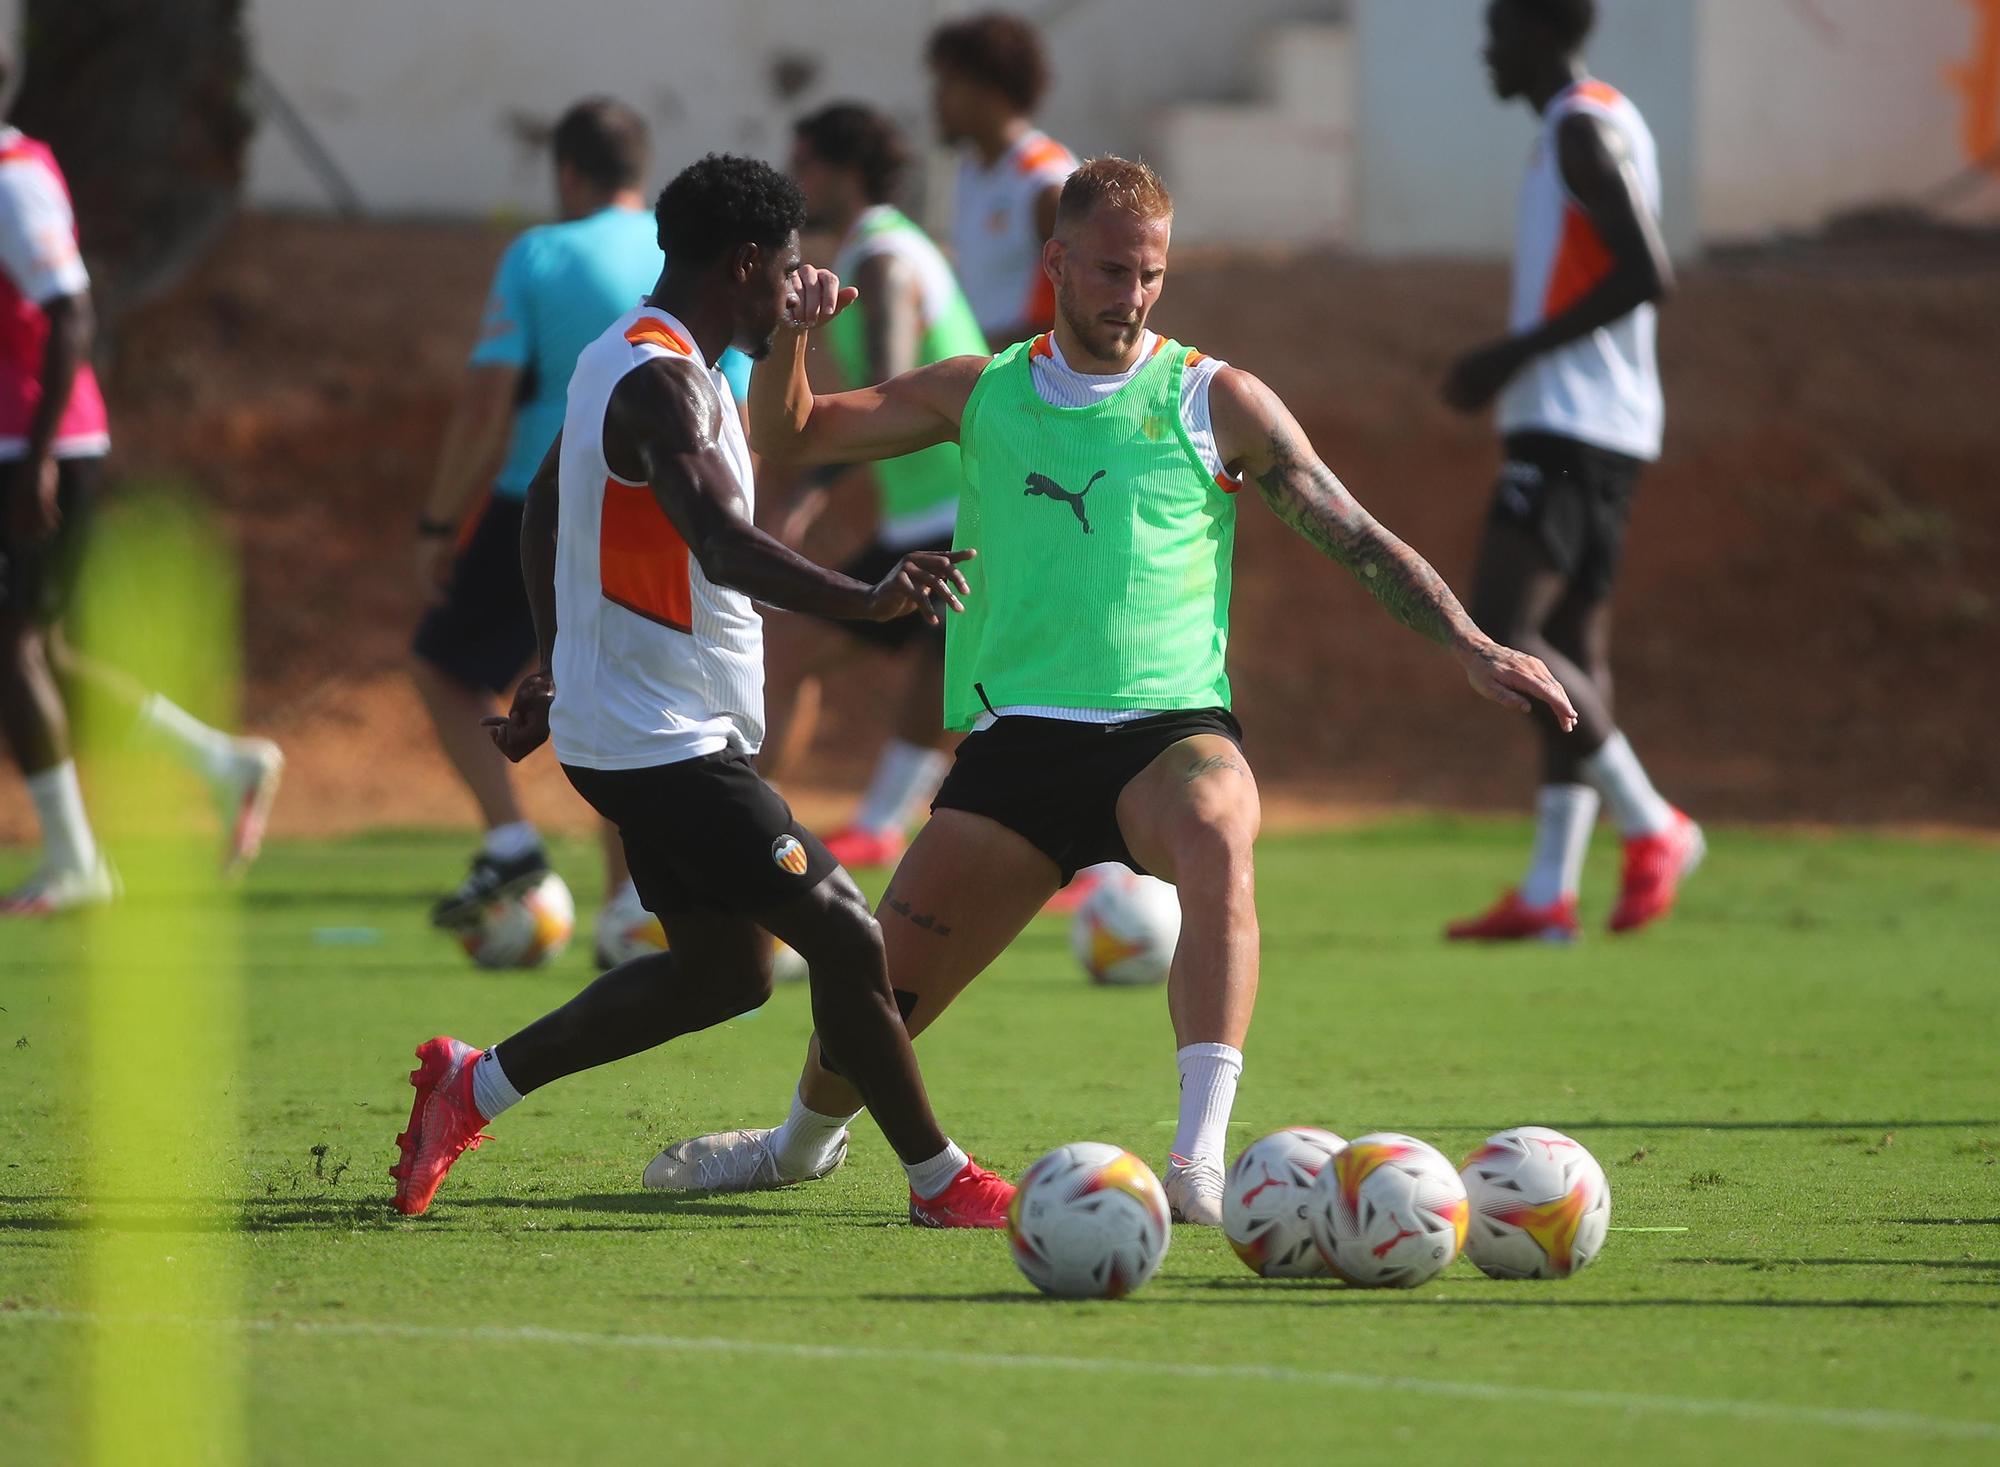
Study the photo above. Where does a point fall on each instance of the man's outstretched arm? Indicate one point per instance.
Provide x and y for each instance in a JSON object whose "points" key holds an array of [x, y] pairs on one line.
{"points": [[663, 428], [793, 428], [1259, 439]]}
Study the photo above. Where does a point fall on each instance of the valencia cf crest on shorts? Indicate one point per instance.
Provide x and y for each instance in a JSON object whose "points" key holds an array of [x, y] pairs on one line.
{"points": [[789, 854]]}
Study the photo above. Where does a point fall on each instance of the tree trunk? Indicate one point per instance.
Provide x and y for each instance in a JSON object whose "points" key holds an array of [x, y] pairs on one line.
{"points": [[145, 106]]}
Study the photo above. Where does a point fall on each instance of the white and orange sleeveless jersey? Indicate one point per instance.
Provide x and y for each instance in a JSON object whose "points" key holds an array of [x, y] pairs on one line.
{"points": [[1603, 390], [995, 246], [654, 663]]}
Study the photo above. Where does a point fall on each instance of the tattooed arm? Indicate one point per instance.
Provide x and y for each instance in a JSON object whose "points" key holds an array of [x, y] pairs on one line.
{"points": [[1259, 440]]}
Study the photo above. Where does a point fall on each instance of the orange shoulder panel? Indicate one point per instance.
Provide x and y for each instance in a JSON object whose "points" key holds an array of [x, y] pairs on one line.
{"points": [[1045, 154], [650, 331], [1599, 92]]}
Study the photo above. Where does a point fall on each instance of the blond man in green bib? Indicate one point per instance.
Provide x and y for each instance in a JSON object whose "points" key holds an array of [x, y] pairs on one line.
{"points": [[1103, 466]]}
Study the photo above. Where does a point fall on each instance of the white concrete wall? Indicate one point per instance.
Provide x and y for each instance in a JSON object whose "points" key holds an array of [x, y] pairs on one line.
{"points": [[1441, 159], [1810, 107], [414, 99]]}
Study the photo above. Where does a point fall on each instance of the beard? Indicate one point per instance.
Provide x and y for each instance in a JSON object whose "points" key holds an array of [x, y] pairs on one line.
{"points": [[1103, 339]]}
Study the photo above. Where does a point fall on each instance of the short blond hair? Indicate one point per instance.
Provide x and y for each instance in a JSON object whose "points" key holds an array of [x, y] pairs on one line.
{"points": [[1124, 184]]}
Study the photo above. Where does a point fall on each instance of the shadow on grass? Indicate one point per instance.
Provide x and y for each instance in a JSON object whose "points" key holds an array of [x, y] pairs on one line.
{"points": [[1603, 1125], [284, 1214], [1991, 1265], [1946, 1222], [1308, 1293]]}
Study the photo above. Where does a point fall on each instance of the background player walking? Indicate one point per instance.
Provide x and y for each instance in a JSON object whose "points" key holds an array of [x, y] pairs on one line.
{"points": [[556, 288], [1580, 414], [1102, 466], [54, 435]]}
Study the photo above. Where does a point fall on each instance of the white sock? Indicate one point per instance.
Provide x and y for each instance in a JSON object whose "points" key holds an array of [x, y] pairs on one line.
{"points": [[906, 777], [1209, 1073], [67, 844], [928, 1178], [1564, 815], [511, 841], [1616, 772], [807, 1139], [169, 727], [492, 1091]]}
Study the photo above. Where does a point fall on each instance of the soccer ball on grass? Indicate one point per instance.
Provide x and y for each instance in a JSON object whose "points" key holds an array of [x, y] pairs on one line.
{"points": [[1265, 1199], [1089, 1221], [1388, 1212], [1540, 1205], [1125, 931], [524, 930]]}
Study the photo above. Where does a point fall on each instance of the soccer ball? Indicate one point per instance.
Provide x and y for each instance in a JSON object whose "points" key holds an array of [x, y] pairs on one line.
{"points": [[524, 930], [1265, 1198], [1388, 1212], [1088, 1222], [625, 930], [1125, 931], [1540, 1205]]}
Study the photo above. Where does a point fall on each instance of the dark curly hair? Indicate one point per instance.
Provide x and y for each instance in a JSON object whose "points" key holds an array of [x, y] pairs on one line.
{"points": [[724, 201], [1570, 22], [998, 48], [851, 135]]}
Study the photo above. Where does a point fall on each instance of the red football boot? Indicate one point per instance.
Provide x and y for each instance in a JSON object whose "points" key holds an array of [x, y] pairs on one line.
{"points": [[976, 1198], [444, 1123], [854, 847], [1654, 868], [1512, 920]]}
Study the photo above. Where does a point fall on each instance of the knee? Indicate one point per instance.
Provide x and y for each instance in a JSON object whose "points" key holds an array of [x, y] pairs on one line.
{"points": [[1215, 848], [847, 943], [750, 992]]}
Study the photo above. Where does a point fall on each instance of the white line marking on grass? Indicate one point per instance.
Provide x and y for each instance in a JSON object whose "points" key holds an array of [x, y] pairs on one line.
{"points": [[1833, 1418]]}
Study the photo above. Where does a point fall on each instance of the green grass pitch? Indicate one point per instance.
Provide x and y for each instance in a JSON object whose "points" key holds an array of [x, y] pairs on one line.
{"points": [[1798, 1072]]}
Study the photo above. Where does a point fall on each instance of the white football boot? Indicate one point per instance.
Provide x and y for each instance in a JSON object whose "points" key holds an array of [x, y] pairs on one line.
{"points": [[729, 1161], [243, 792], [52, 892], [1194, 1191]]}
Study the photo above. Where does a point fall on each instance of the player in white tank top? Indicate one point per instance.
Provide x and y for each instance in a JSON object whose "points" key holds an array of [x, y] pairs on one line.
{"points": [[1580, 413], [988, 74], [641, 562]]}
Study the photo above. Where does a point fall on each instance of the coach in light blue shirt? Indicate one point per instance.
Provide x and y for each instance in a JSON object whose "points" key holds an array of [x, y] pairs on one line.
{"points": [[557, 288]]}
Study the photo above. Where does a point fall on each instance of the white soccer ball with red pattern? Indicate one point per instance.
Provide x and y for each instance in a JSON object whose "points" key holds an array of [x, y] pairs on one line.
{"points": [[1388, 1212], [1125, 931], [524, 930], [1265, 1197], [1540, 1205], [1089, 1221]]}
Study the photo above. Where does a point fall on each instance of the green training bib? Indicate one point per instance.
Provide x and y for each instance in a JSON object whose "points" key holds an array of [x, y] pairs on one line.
{"points": [[1103, 573]]}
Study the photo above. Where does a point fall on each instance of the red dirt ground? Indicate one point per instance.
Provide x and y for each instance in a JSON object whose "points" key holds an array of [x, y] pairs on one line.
{"points": [[1809, 623]]}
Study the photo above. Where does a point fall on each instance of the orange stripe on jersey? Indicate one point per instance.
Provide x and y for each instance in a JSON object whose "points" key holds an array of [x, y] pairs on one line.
{"points": [[647, 331], [1598, 92], [1040, 308], [1582, 262], [1194, 358], [1159, 345], [642, 561], [1045, 154], [1226, 484], [1041, 348]]}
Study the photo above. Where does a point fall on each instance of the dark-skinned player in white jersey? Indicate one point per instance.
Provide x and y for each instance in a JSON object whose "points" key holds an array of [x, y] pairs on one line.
{"points": [[643, 565], [1102, 464], [1576, 383]]}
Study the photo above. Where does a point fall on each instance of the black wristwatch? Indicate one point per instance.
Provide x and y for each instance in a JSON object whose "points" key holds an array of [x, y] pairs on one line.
{"points": [[431, 529]]}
